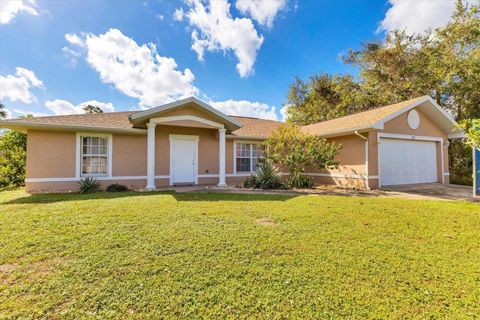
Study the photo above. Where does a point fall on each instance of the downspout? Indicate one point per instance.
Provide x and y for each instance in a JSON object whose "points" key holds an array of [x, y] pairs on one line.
{"points": [[367, 184]]}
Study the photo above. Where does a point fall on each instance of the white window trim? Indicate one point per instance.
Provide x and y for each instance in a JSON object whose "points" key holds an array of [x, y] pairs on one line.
{"points": [[172, 138], [235, 142], [408, 137], [78, 155]]}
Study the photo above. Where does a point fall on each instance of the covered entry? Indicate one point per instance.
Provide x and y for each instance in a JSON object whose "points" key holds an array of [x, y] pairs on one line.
{"points": [[407, 161]]}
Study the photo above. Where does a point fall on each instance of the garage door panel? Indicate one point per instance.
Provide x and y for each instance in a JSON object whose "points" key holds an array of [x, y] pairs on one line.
{"points": [[407, 161]]}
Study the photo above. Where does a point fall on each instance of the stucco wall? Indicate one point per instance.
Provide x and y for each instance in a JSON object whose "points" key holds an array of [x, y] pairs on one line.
{"points": [[50, 154]]}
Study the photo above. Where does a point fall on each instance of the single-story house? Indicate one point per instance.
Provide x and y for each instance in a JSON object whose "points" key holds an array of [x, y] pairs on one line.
{"points": [[190, 142]]}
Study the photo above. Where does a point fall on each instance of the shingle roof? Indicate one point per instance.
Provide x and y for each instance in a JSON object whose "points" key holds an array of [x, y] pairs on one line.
{"points": [[111, 120], [255, 128], [357, 121], [252, 127]]}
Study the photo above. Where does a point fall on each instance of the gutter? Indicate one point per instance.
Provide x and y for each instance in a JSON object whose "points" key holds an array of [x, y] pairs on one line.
{"points": [[366, 159]]}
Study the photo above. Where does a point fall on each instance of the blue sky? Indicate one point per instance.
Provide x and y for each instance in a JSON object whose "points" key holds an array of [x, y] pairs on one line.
{"points": [[239, 55]]}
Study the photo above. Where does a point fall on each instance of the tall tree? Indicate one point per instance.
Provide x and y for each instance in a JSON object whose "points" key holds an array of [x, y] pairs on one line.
{"points": [[92, 109], [325, 97]]}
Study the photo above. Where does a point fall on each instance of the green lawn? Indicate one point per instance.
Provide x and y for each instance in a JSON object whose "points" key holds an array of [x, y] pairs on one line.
{"points": [[165, 255]]}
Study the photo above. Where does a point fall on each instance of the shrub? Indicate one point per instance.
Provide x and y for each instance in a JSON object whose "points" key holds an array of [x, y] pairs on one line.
{"points": [[268, 177], [116, 187], [250, 182], [297, 150], [300, 182], [13, 147], [88, 185]]}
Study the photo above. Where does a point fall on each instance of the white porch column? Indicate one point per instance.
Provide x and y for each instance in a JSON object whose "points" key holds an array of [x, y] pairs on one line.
{"points": [[221, 163], [151, 156]]}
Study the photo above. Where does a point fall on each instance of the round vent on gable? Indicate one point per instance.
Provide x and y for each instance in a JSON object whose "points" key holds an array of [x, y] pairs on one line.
{"points": [[413, 119]]}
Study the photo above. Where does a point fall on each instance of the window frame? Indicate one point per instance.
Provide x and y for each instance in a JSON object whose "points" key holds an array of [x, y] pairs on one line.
{"points": [[248, 142], [79, 154]]}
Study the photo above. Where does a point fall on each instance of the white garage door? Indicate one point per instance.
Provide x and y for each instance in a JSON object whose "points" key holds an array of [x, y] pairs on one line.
{"points": [[407, 161]]}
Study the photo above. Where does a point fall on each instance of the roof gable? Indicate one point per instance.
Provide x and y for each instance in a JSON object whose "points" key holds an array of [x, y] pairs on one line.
{"points": [[376, 118], [140, 118]]}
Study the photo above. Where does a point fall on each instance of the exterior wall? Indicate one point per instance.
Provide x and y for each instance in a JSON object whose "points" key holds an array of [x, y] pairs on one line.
{"points": [[50, 154], [351, 171], [129, 159], [129, 155]]}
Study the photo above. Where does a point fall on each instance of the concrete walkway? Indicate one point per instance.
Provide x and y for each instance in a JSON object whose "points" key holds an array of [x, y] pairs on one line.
{"points": [[431, 191], [435, 191]]}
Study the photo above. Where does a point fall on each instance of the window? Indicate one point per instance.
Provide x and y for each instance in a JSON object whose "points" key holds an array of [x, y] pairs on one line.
{"points": [[94, 156], [246, 157]]}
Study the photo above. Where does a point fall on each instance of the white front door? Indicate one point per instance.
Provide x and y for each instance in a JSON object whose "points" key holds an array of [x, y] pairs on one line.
{"points": [[183, 159], [407, 162]]}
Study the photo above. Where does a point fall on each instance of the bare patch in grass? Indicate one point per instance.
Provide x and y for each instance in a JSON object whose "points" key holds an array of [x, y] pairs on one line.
{"points": [[7, 268], [266, 222], [47, 266]]}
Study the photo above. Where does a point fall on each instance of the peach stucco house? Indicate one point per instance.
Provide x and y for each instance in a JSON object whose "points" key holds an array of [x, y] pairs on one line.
{"points": [[189, 142]]}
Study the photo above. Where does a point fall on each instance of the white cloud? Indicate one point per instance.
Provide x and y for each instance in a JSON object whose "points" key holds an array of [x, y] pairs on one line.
{"points": [[18, 87], [137, 71], [215, 29], [419, 15], [245, 108], [74, 39], [159, 16], [63, 107], [262, 11], [178, 14], [10, 8], [284, 111]]}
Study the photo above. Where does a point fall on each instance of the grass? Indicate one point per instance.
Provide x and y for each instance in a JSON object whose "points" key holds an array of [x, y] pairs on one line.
{"points": [[166, 255]]}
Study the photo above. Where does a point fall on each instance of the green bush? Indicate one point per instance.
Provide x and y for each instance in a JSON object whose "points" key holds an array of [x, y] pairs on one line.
{"points": [[250, 182], [116, 187], [300, 181], [266, 177], [13, 146], [88, 185]]}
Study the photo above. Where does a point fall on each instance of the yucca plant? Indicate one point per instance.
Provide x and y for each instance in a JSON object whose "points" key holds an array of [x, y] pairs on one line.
{"points": [[88, 185], [267, 176]]}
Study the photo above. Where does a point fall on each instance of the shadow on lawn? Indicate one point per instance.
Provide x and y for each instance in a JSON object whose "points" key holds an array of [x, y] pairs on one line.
{"points": [[194, 196]]}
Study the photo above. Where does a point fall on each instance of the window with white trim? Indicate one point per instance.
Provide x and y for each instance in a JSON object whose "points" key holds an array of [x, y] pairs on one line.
{"points": [[246, 156], [94, 156]]}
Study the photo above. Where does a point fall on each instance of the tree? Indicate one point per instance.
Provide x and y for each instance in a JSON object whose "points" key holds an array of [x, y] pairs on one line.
{"points": [[289, 146], [3, 112], [472, 129], [325, 97], [13, 155], [92, 109], [13, 147]]}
